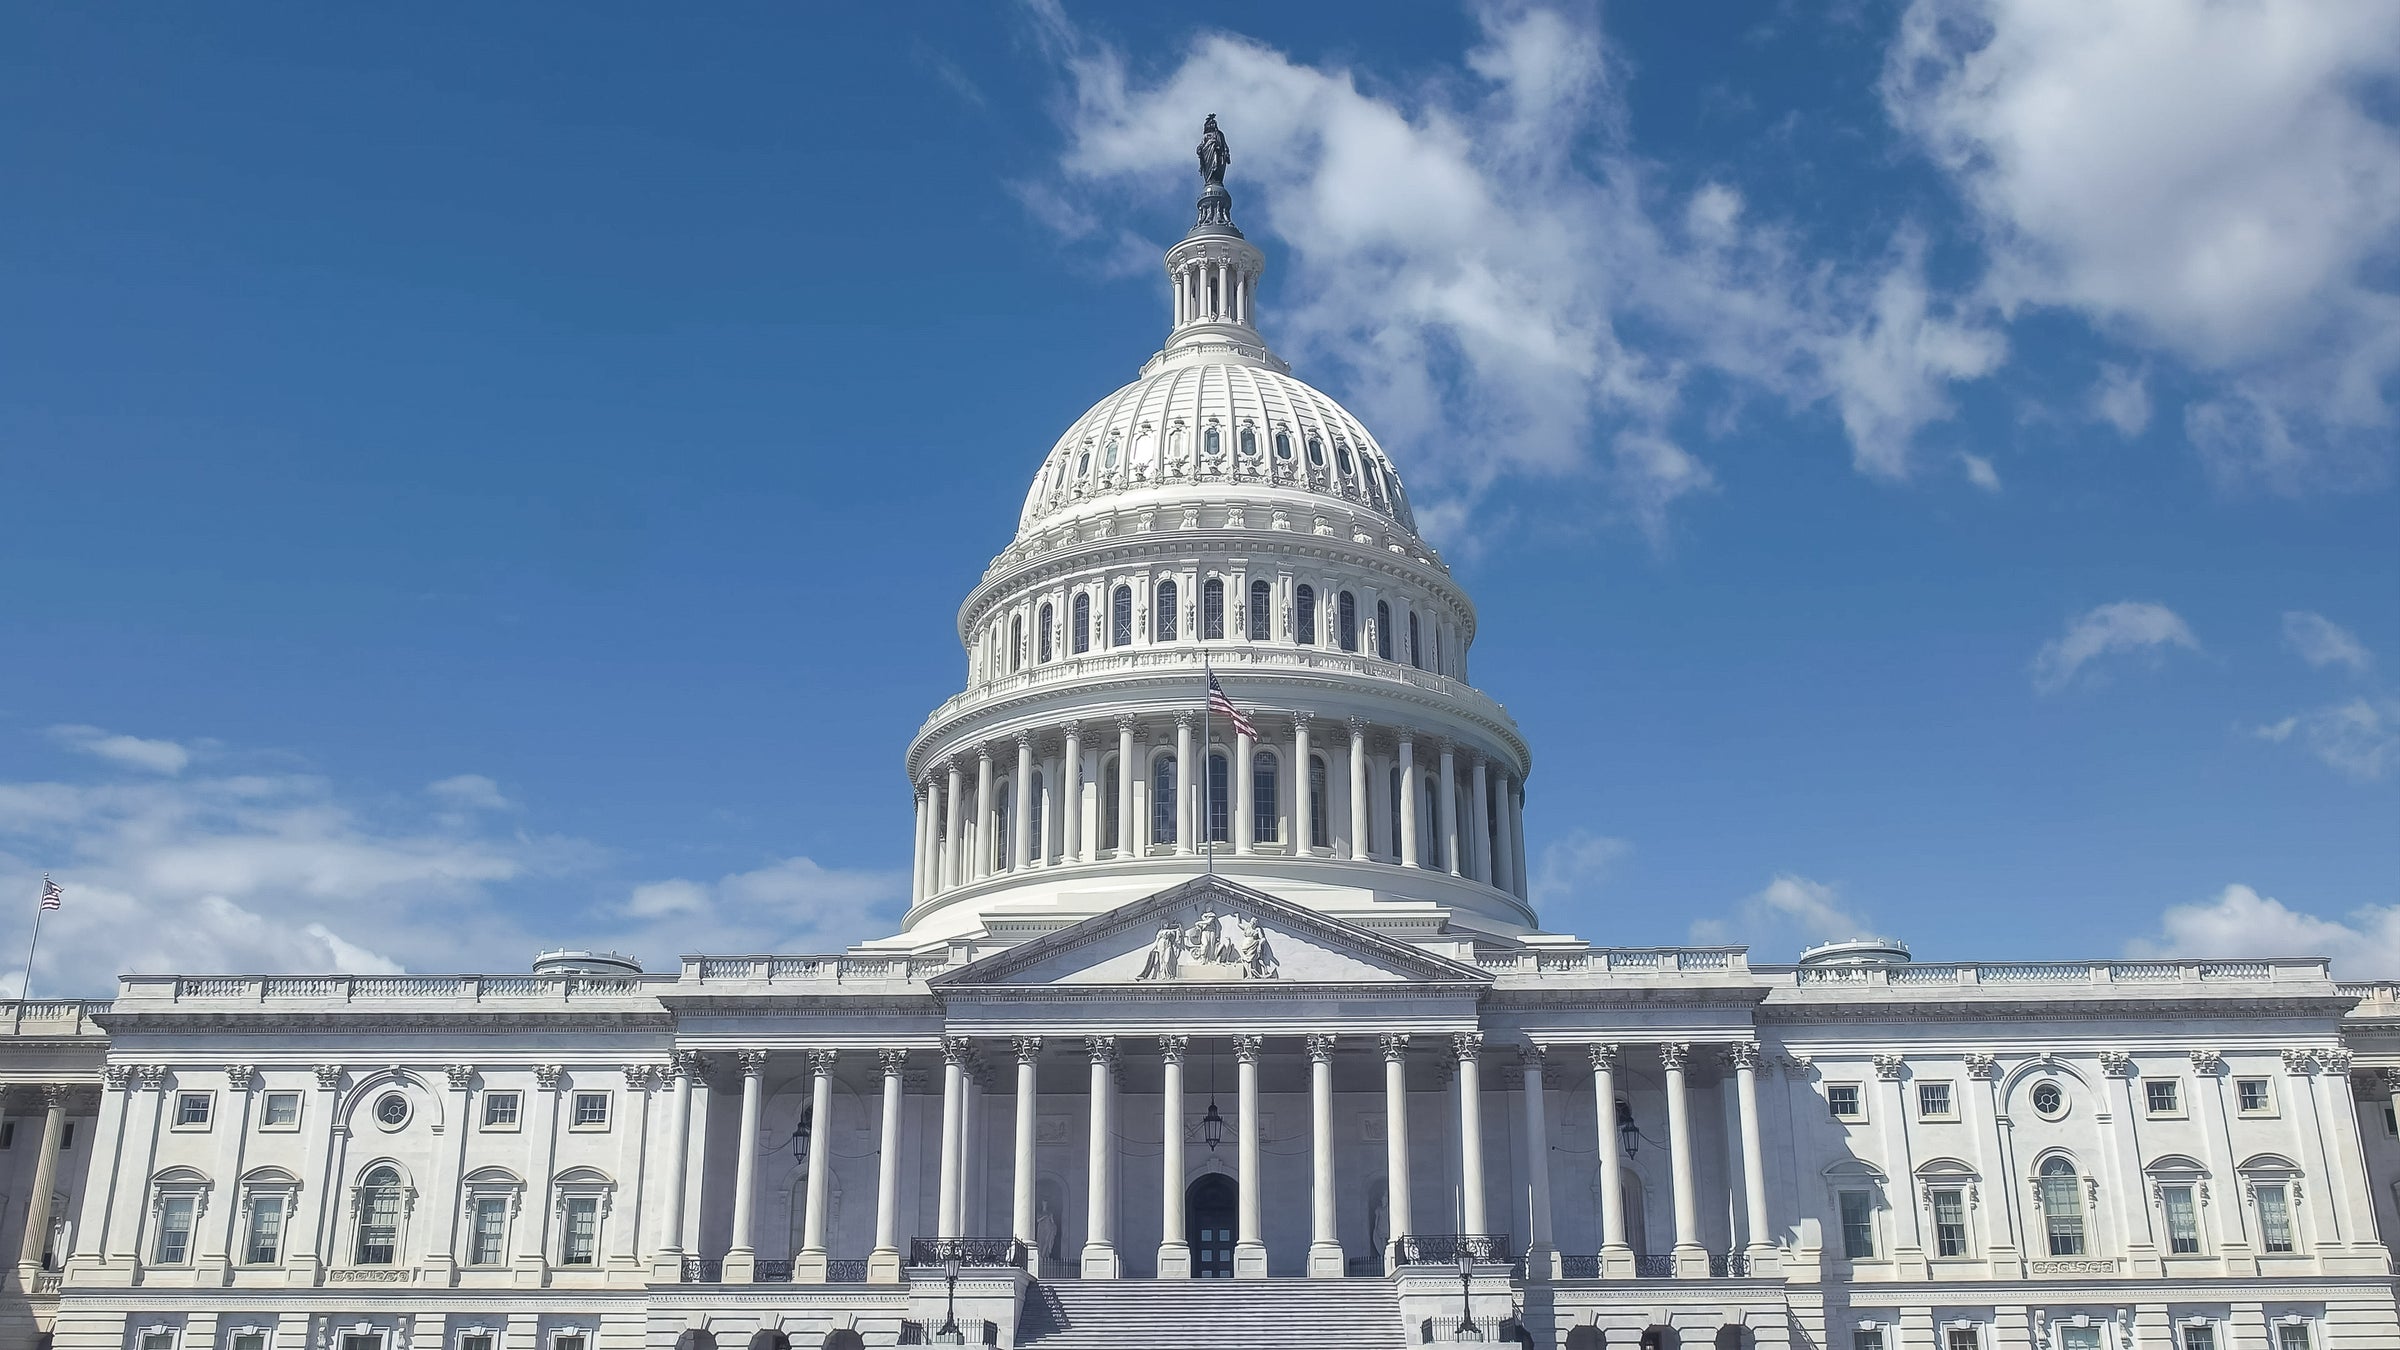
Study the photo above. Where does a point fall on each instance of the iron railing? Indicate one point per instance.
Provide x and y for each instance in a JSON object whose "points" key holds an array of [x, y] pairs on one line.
{"points": [[1445, 1249], [1730, 1266], [846, 1272], [1571, 1267], [703, 1270], [970, 1331], [774, 1272], [1005, 1253], [1654, 1267]]}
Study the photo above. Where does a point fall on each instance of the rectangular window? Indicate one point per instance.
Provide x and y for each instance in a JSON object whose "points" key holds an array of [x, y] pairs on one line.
{"points": [[174, 1246], [2391, 1121], [1933, 1101], [66, 1136], [581, 1244], [2291, 1337], [250, 1340], [264, 1245], [500, 1110], [572, 1340], [487, 1238], [475, 1340], [2164, 1096], [372, 1340], [2274, 1219], [1867, 1338], [8, 1134], [2251, 1093], [1842, 1099], [591, 1110], [2183, 1220], [1949, 1223], [1858, 1225], [2199, 1338], [191, 1110], [1963, 1338], [158, 1340], [282, 1111], [2079, 1338]]}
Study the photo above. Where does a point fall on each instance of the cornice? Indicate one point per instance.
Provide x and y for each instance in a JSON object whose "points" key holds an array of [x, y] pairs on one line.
{"points": [[404, 1019], [1951, 1007]]}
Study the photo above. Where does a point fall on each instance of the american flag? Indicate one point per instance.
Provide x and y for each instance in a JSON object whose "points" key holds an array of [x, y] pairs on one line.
{"points": [[1223, 707], [51, 894]]}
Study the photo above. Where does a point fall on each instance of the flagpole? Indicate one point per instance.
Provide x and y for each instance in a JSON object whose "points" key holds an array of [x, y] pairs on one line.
{"points": [[25, 990]]}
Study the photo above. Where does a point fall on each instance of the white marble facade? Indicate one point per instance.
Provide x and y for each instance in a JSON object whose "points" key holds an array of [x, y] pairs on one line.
{"points": [[1174, 1001]]}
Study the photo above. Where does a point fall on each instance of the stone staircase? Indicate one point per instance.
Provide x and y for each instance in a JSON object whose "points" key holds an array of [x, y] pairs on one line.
{"points": [[1357, 1314]]}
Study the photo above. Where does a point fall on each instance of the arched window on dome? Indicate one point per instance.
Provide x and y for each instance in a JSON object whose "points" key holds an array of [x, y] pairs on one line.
{"points": [[1220, 829], [1162, 625], [1109, 460], [1266, 817], [1341, 458], [1109, 797], [1040, 842], [1429, 816], [1120, 617], [1283, 444], [1416, 653], [1211, 442], [1045, 626], [1016, 641], [1374, 479], [1316, 450], [1162, 799], [1083, 463], [1212, 608], [1320, 786], [1249, 443], [1083, 623], [1391, 835], [1305, 616], [1348, 621], [1003, 796], [1262, 598], [1175, 446], [1383, 629]]}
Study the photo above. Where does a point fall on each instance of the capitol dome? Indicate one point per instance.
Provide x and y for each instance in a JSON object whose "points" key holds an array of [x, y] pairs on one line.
{"points": [[1217, 515]]}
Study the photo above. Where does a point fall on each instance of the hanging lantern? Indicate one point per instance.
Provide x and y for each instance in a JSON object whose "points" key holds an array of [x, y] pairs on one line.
{"points": [[1212, 1126]]}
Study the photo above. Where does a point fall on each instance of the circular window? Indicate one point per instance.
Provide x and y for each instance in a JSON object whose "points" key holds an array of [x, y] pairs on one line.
{"points": [[391, 1110], [2049, 1100]]}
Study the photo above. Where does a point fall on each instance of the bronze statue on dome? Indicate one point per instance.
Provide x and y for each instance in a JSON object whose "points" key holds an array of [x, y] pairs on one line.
{"points": [[1213, 154]]}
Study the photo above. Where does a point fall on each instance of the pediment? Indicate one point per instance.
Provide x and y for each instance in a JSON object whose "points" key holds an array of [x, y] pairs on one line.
{"points": [[1211, 932]]}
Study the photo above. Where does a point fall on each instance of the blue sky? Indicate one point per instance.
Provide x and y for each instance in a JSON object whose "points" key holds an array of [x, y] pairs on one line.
{"points": [[485, 478]]}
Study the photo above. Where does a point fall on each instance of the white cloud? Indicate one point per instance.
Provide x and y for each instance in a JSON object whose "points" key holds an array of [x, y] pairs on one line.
{"points": [[1980, 472], [1573, 867], [795, 905], [1793, 913], [165, 757], [470, 791], [2242, 923], [2121, 398], [2359, 738], [1467, 256], [2124, 628], [2212, 181], [2321, 642]]}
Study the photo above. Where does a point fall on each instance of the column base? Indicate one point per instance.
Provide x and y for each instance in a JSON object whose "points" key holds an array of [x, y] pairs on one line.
{"points": [[1325, 1261], [1100, 1261], [667, 1267], [1691, 1262], [1249, 1260], [1616, 1263], [1541, 1264], [1174, 1261], [1766, 1260], [809, 1267], [741, 1267], [883, 1266]]}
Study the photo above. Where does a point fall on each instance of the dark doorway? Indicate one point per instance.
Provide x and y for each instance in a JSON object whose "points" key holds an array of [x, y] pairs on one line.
{"points": [[1209, 1208]]}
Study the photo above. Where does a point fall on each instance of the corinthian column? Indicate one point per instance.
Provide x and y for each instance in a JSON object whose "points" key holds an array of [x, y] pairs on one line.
{"points": [[1324, 1244], [1479, 823], [1445, 802], [1408, 802], [741, 1259], [1020, 817], [811, 1266], [1541, 1252], [1174, 1252], [1022, 1218], [1616, 1255], [1190, 816], [1395, 1145], [1249, 1245], [981, 864], [954, 838], [883, 1264], [1128, 829], [1099, 1213], [1469, 1045], [45, 1178], [1359, 849], [1304, 788], [1691, 1259], [955, 1050], [1070, 802]]}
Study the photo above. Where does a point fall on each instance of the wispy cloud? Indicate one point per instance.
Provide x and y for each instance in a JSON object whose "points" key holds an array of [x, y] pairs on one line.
{"points": [[2240, 922], [2126, 628], [2358, 738], [793, 904], [1790, 915], [472, 791], [2321, 642], [1573, 867], [157, 756]]}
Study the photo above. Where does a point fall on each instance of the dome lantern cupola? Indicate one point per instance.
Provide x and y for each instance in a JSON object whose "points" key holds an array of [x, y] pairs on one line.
{"points": [[1213, 272]]}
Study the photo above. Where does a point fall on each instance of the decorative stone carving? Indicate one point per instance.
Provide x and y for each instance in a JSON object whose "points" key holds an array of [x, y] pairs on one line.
{"points": [[1102, 1049], [1467, 1045], [1674, 1054], [1245, 1048], [461, 1076], [1983, 1068], [2116, 1064], [329, 1076], [1214, 947], [2299, 1061], [1395, 1047], [1744, 1055], [821, 1062], [546, 1076], [1320, 1049], [1171, 1048], [896, 1061], [2207, 1063], [1891, 1068], [240, 1076], [958, 1050], [1604, 1056]]}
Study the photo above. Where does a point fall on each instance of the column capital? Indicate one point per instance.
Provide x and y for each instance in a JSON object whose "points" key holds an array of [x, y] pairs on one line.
{"points": [[1532, 1057], [1891, 1068], [1300, 722], [2335, 1061], [1127, 723], [895, 1062], [821, 1062], [1320, 1048], [2390, 1077], [1101, 1049], [329, 1076], [55, 1095], [1395, 1046], [1467, 1045], [957, 1050], [983, 755], [640, 1077], [546, 1076], [1184, 722], [2207, 1063], [1604, 1055], [115, 1077], [753, 1062], [1024, 740], [461, 1076], [1245, 1048], [1744, 1055], [1172, 1048], [241, 1076], [2116, 1064], [687, 1065], [1072, 729], [153, 1076], [2299, 1061], [1027, 1048], [1984, 1067], [1358, 727], [1674, 1054]]}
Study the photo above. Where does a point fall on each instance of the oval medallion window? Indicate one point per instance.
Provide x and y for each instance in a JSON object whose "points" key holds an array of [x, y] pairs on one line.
{"points": [[391, 1110], [2049, 1100]]}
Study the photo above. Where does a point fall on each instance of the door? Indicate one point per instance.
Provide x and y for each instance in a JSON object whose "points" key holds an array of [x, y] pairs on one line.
{"points": [[1209, 1209]]}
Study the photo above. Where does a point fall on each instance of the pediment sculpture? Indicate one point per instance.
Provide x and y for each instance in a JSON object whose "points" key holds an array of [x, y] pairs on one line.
{"points": [[1212, 947]]}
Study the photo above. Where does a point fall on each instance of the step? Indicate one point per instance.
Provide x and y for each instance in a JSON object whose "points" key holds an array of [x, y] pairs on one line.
{"points": [[1351, 1314]]}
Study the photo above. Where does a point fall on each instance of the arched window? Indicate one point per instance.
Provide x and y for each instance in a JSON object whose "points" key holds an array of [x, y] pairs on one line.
{"points": [[1033, 818], [2273, 1183], [1046, 624], [1283, 445], [1316, 451], [1415, 657], [1429, 820], [1120, 617], [1109, 460], [2060, 1193], [1162, 624], [1016, 641], [1320, 779], [1441, 658], [1249, 443], [1220, 829], [1383, 629], [1341, 458], [1083, 463], [376, 1221], [1266, 820], [1348, 620], [1262, 597], [1083, 624], [1109, 797], [1305, 629], [1212, 608], [1210, 441], [1391, 836], [1162, 799], [1003, 797], [1374, 478]]}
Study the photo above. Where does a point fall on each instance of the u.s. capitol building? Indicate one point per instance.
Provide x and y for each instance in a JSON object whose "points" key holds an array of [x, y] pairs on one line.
{"points": [[1212, 1032]]}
